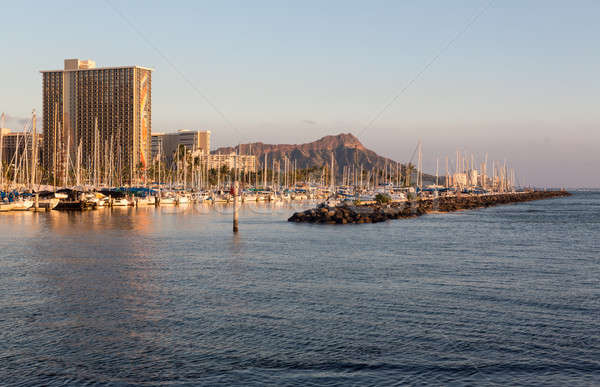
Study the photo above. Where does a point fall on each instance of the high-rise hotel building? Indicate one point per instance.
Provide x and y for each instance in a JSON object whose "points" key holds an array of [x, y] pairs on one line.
{"points": [[164, 145], [104, 110]]}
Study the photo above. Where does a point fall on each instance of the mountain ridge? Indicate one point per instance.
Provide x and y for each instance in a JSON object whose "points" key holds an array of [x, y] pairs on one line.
{"points": [[346, 148], [347, 151]]}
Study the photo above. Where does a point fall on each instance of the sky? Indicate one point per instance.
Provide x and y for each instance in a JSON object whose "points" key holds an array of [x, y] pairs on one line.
{"points": [[515, 80]]}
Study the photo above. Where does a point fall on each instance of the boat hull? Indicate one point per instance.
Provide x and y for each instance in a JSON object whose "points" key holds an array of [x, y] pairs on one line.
{"points": [[74, 205]]}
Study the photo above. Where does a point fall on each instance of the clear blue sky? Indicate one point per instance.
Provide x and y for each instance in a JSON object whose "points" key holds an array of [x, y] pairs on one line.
{"points": [[521, 83]]}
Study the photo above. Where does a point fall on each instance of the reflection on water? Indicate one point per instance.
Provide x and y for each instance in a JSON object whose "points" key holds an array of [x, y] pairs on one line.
{"points": [[506, 295]]}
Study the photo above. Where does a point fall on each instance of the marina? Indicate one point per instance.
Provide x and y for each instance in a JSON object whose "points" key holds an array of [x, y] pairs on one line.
{"points": [[191, 178], [81, 182]]}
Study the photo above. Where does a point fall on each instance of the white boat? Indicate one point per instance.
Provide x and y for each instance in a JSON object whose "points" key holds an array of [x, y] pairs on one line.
{"points": [[167, 200], [94, 199], [121, 202], [398, 197], [200, 197], [48, 204], [145, 201], [182, 199], [249, 197], [17, 205], [221, 198], [331, 202], [102, 202], [23, 204]]}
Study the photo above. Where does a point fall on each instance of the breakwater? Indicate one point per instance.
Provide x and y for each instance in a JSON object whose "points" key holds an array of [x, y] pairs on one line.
{"points": [[373, 213]]}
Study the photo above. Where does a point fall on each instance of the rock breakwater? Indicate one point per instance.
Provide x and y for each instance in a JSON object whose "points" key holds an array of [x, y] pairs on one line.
{"points": [[373, 213]]}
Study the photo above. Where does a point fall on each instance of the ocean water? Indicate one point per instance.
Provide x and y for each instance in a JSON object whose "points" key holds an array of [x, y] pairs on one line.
{"points": [[508, 295]]}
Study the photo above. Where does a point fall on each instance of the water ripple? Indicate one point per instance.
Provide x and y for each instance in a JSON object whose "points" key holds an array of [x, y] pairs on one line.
{"points": [[501, 296]]}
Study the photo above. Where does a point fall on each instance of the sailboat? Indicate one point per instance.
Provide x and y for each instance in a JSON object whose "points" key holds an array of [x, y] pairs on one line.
{"points": [[249, 196], [182, 198], [20, 204]]}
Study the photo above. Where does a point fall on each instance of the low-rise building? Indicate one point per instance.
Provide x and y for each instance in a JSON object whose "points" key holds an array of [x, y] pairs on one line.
{"points": [[245, 163]]}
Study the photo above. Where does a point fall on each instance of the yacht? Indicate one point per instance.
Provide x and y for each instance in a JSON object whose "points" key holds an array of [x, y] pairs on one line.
{"points": [[16, 205], [182, 199]]}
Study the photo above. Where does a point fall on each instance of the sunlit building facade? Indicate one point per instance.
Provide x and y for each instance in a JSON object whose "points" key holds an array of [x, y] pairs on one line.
{"points": [[14, 144], [246, 163], [106, 111], [164, 145]]}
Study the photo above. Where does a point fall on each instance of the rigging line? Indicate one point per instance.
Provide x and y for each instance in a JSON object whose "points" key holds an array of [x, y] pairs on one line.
{"points": [[174, 67], [445, 48], [413, 154]]}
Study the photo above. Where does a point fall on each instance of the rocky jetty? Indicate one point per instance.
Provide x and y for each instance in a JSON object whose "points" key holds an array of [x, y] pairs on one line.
{"points": [[373, 213]]}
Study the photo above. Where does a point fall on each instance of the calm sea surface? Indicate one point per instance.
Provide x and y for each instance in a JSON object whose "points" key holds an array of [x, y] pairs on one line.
{"points": [[508, 295]]}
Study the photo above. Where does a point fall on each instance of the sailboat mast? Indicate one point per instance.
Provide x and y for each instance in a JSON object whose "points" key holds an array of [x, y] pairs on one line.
{"points": [[33, 148], [447, 176], [437, 166], [265, 173], [66, 163], [54, 145], [420, 167], [332, 174], [485, 171]]}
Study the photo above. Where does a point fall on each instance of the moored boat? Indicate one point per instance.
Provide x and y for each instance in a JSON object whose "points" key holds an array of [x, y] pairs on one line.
{"points": [[120, 202], [16, 205], [182, 199], [249, 197], [145, 201]]}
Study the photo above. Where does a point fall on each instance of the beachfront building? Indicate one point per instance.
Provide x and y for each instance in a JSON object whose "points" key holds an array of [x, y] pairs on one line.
{"points": [[13, 145], [166, 144], [245, 163], [104, 110]]}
